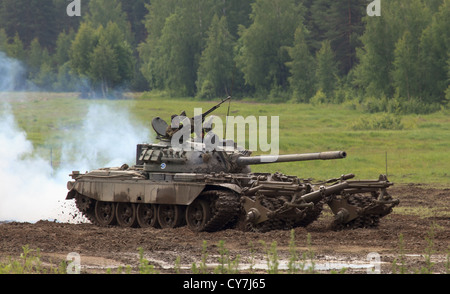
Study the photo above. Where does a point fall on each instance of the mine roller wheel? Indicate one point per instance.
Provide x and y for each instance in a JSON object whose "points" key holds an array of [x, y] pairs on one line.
{"points": [[198, 214], [105, 213], [170, 216], [126, 214], [147, 215], [362, 221], [271, 224], [311, 215]]}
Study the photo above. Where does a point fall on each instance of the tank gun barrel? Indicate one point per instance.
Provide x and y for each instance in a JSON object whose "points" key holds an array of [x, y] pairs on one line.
{"points": [[265, 159]]}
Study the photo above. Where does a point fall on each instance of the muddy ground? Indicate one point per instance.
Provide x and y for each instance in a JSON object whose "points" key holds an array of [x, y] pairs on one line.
{"points": [[422, 218]]}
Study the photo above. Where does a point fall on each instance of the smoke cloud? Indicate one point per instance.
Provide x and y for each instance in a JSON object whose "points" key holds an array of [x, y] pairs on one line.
{"points": [[30, 188]]}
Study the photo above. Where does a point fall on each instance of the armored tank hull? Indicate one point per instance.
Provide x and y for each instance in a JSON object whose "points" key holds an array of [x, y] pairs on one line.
{"points": [[134, 197]]}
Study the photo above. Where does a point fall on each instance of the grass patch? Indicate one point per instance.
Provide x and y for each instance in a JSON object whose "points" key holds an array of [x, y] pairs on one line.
{"points": [[416, 145]]}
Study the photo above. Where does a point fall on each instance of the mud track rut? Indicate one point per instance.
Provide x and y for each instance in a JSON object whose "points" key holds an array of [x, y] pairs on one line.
{"points": [[102, 248]]}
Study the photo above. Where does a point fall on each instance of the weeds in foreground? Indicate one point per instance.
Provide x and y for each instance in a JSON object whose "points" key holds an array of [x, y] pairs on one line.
{"points": [[399, 265], [227, 265], [30, 261]]}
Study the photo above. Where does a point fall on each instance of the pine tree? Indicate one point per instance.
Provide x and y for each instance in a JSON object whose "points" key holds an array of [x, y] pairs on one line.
{"points": [[376, 70], [341, 23], [177, 35], [302, 67], [174, 66], [407, 75], [34, 58], [405, 65], [155, 20], [262, 56], [62, 49], [326, 71], [45, 77], [3, 40], [216, 64], [447, 92], [15, 49], [30, 19], [433, 54], [102, 12]]}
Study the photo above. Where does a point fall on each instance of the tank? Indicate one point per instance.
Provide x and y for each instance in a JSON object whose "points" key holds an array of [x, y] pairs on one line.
{"points": [[211, 189]]}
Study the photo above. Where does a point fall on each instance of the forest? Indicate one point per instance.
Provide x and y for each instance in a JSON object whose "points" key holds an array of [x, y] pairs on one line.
{"points": [[302, 51]]}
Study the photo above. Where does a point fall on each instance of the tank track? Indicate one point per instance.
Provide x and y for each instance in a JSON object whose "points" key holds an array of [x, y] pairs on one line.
{"points": [[86, 206], [225, 208]]}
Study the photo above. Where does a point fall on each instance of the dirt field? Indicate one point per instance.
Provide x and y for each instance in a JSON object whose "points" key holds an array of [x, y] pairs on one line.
{"points": [[422, 218]]}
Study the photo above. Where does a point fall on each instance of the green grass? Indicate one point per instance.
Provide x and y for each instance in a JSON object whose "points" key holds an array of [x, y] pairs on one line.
{"points": [[416, 152]]}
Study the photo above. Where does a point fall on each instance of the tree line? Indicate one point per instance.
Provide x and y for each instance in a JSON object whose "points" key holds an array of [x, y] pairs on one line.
{"points": [[317, 51]]}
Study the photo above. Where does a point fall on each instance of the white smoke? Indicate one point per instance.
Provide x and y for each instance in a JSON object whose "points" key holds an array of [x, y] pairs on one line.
{"points": [[30, 188], [11, 73], [27, 187], [107, 137]]}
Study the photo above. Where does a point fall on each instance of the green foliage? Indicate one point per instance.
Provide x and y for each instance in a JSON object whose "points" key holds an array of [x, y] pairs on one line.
{"points": [[271, 257], [201, 268], [384, 121], [302, 67], [269, 50], [102, 55], [262, 54], [397, 105], [15, 48], [145, 267], [102, 12], [340, 23], [326, 72], [29, 262], [215, 71], [226, 264], [177, 34]]}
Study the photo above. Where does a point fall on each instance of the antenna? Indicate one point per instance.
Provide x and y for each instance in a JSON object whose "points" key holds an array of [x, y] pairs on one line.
{"points": [[386, 162], [226, 119], [229, 103]]}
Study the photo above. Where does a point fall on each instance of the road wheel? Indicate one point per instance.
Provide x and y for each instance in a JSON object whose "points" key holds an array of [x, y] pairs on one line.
{"points": [[105, 213], [147, 215], [126, 214], [170, 216], [198, 215]]}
